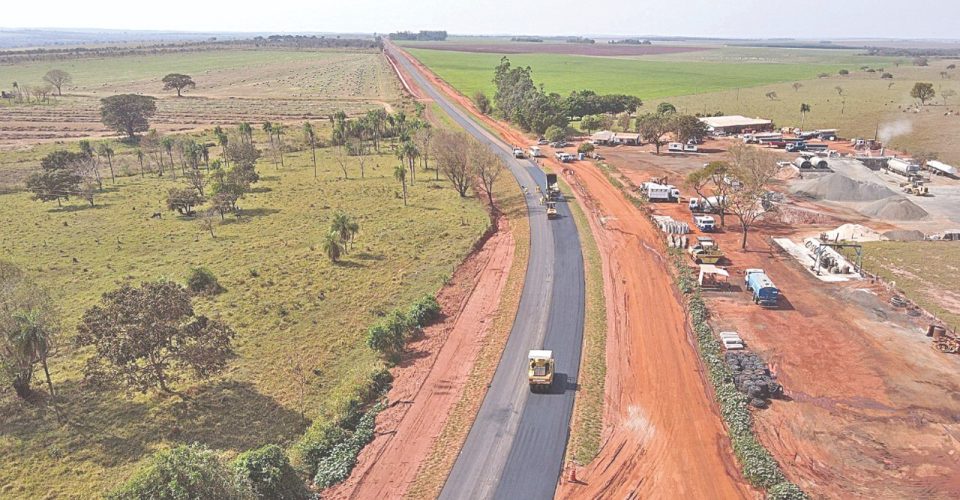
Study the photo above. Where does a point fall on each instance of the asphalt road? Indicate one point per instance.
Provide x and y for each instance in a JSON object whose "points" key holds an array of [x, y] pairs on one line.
{"points": [[516, 446]]}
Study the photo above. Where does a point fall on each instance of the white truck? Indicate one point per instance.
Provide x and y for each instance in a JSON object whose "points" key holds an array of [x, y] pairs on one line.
{"points": [[705, 223], [517, 152], [710, 204], [535, 152], [660, 192], [676, 147]]}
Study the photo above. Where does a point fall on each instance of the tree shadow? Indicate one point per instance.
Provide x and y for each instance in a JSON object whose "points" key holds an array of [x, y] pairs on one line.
{"points": [[260, 189], [79, 208], [410, 357], [369, 256], [349, 264], [269, 177], [258, 212]]}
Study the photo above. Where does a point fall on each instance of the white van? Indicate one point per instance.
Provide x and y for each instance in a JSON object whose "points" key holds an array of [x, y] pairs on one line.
{"points": [[675, 147]]}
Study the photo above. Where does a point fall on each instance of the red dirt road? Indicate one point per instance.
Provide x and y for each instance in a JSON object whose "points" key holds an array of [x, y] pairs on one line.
{"points": [[428, 383], [663, 436]]}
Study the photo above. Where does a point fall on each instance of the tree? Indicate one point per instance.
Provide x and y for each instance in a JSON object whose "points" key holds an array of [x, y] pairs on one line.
{"points": [[555, 134], [345, 228], [590, 123], [311, 137], [946, 94], [104, 150], [482, 102], [279, 130], [183, 200], [921, 61], [797, 86], [923, 92], [488, 167], [29, 327], [400, 174], [332, 247], [843, 72], [179, 82], [652, 128], [586, 147], [58, 78], [139, 153], [804, 109], [145, 336], [453, 158], [187, 471], [268, 471], [754, 170], [223, 140], [246, 132], [886, 76], [771, 95], [59, 177], [665, 108], [128, 113], [689, 128], [717, 176]]}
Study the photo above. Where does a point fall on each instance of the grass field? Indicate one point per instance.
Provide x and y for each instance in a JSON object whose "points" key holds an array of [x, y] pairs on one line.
{"points": [[283, 297], [647, 79], [908, 264]]}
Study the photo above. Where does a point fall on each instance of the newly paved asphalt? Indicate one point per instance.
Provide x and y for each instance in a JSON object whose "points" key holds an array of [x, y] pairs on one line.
{"points": [[516, 446]]}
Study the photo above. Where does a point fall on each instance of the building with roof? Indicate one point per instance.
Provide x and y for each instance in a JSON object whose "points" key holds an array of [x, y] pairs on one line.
{"points": [[735, 124], [608, 138]]}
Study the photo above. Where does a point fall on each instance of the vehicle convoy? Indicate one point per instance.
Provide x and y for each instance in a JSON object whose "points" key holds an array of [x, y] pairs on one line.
{"points": [[552, 187], [705, 251], [660, 192], [711, 204], [552, 210], [764, 292], [705, 223], [540, 370]]}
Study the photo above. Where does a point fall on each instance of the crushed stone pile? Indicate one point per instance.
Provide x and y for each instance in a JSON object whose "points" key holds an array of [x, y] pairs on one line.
{"points": [[837, 187], [894, 208], [904, 235], [853, 232]]}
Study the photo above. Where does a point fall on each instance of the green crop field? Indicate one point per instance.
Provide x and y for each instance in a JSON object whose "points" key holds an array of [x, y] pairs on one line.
{"points": [[647, 79], [286, 301]]}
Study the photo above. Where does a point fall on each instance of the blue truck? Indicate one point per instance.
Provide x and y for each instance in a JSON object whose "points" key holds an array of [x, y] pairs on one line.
{"points": [[759, 284]]}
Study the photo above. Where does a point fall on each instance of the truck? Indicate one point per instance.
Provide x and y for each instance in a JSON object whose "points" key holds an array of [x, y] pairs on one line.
{"points": [[764, 292], [902, 167], [535, 152], [710, 204], [540, 370], [676, 147], [941, 168], [705, 251], [705, 223], [793, 147], [660, 192], [552, 188], [517, 152]]}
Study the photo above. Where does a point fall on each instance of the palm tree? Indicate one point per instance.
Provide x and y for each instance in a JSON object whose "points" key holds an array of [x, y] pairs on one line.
{"points": [[345, 227], [167, 143], [32, 339], [400, 174], [311, 137], [268, 128], [246, 132], [804, 109], [331, 246], [104, 149], [278, 129], [222, 140], [375, 120], [140, 159], [407, 151]]}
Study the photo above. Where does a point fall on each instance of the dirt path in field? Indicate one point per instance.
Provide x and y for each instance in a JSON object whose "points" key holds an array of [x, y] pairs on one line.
{"points": [[428, 382], [662, 431]]}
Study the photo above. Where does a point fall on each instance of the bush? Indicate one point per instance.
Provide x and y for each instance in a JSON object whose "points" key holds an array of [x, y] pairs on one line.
{"points": [[202, 280], [337, 466], [585, 148], [786, 491], [390, 334], [269, 474], [424, 311], [183, 472], [316, 443]]}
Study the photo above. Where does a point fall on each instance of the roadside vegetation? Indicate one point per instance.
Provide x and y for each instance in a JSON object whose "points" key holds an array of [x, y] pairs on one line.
{"points": [[236, 222]]}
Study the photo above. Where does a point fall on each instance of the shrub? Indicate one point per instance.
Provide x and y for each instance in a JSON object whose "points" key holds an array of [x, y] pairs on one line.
{"points": [[316, 443], [844, 72], [183, 472], [202, 280], [786, 491], [424, 311], [336, 466], [586, 147], [269, 474]]}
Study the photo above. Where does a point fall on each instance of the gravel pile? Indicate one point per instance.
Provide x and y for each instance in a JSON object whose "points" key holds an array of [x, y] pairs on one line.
{"points": [[837, 187], [894, 208], [853, 232], [904, 235], [753, 378]]}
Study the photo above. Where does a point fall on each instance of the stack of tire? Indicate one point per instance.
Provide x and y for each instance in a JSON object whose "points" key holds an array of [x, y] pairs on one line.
{"points": [[753, 378]]}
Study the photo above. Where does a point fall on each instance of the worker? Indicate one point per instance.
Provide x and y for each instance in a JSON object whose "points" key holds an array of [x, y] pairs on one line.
{"points": [[525, 190], [541, 199], [538, 188]]}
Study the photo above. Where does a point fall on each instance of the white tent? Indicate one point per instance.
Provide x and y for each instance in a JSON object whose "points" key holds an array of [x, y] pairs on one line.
{"points": [[713, 276]]}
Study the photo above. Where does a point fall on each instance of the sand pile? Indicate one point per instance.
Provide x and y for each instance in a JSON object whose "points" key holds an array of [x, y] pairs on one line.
{"points": [[894, 208], [853, 232], [837, 187], [904, 235]]}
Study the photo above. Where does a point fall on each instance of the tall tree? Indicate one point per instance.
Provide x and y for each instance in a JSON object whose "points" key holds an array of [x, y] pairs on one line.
{"points": [[400, 174], [246, 132], [29, 328], [453, 157], [345, 227], [59, 177], [178, 82], [923, 92], [58, 78], [310, 136], [804, 109], [279, 130], [665, 108], [488, 167], [717, 176], [128, 113], [167, 143], [140, 159], [653, 127], [104, 150], [754, 170], [145, 337], [223, 140], [332, 247]]}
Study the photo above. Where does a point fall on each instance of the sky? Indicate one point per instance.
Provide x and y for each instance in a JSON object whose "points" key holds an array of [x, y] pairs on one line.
{"points": [[927, 19]]}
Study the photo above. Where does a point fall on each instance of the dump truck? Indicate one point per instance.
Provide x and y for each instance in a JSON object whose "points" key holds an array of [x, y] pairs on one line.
{"points": [[705, 251], [552, 187], [764, 292], [540, 370], [552, 210]]}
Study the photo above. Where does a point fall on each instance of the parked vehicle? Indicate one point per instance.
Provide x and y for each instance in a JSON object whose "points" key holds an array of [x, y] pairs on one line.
{"points": [[711, 204], [817, 147], [764, 292], [902, 167], [517, 152], [660, 192], [542, 142], [676, 147], [535, 152], [705, 223], [793, 147], [705, 251], [691, 148]]}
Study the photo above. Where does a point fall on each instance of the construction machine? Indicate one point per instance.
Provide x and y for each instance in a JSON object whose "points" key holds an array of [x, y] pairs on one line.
{"points": [[915, 187], [552, 210], [553, 187], [540, 370], [705, 251]]}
